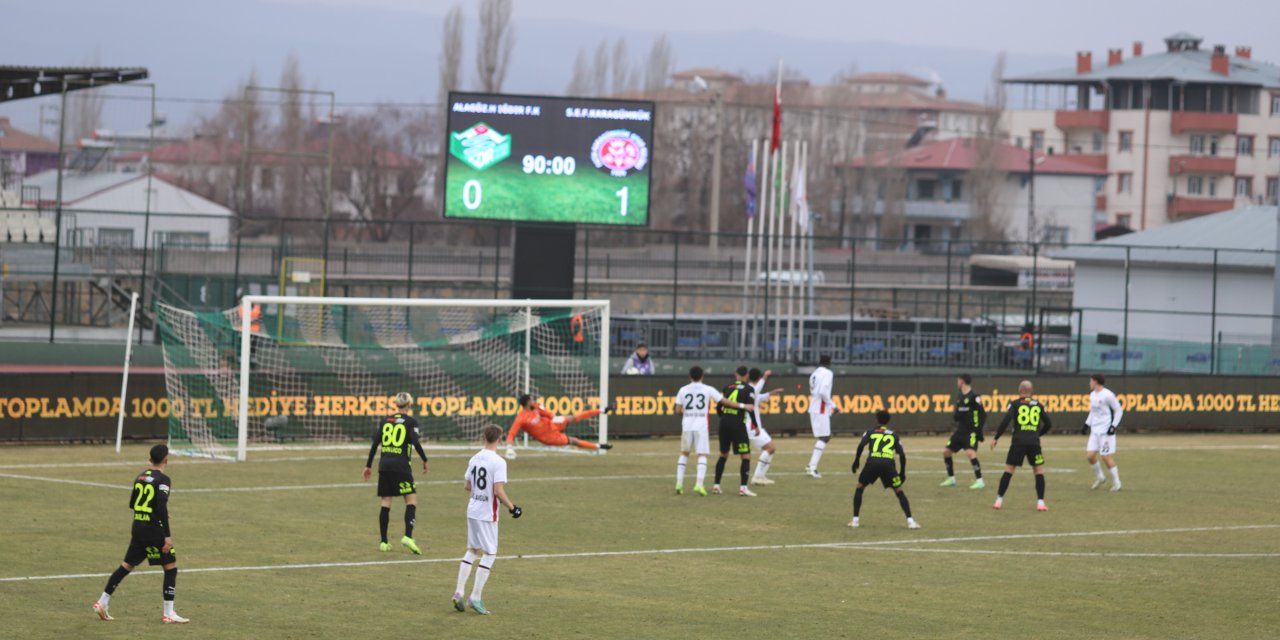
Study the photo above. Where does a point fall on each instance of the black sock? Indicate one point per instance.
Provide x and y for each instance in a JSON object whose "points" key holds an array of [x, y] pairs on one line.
{"points": [[951, 469], [720, 468], [742, 471], [977, 468], [1040, 486], [1004, 484], [857, 501], [410, 516], [170, 583], [114, 581], [384, 519], [902, 500]]}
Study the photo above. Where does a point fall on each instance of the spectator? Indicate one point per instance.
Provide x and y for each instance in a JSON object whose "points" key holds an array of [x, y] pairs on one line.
{"points": [[639, 364]]}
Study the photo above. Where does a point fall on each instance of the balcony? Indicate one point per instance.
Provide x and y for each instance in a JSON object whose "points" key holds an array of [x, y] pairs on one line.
{"points": [[1183, 121], [930, 209], [1182, 208], [1210, 165], [1075, 119], [1092, 160]]}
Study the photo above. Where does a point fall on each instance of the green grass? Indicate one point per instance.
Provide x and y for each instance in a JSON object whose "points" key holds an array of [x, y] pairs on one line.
{"points": [[915, 586], [589, 196]]}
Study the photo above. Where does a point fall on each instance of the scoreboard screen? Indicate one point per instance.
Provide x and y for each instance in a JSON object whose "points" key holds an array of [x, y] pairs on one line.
{"points": [[544, 159]]}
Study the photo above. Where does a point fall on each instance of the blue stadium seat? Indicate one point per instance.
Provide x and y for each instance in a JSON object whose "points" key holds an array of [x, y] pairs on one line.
{"points": [[688, 342], [1199, 357]]}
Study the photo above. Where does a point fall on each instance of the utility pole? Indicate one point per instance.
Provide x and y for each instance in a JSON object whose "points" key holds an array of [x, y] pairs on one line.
{"points": [[1031, 194], [714, 240]]}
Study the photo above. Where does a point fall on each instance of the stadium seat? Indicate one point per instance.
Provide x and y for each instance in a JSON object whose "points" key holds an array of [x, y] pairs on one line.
{"points": [[1199, 357], [689, 342]]}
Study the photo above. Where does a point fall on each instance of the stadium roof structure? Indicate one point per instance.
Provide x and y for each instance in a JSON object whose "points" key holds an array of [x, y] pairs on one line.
{"points": [[1245, 238], [18, 82]]}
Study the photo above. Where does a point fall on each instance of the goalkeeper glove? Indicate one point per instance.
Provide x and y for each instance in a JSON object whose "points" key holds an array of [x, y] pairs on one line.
{"points": [[516, 512], [511, 453], [1111, 430]]}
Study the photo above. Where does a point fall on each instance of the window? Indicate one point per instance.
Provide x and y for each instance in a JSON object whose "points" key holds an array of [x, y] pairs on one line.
{"points": [[1244, 145], [1058, 236], [1244, 186], [1018, 142], [1197, 144], [266, 181], [926, 189], [957, 189], [1211, 185], [1273, 189], [1275, 104], [1213, 145], [184, 238], [1037, 140], [1126, 141], [115, 237], [1124, 220], [1195, 185], [1098, 142], [1273, 147], [1124, 183]]}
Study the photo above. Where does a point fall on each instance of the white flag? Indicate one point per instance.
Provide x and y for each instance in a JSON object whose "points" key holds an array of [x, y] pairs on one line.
{"points": [[800, 197]]}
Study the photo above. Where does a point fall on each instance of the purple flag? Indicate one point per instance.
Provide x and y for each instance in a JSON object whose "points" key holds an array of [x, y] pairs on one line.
{"points": [[749, 182]]}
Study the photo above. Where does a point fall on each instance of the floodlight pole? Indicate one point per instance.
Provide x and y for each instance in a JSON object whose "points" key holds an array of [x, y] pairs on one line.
{"points": [[57, 220], [714, 240]]}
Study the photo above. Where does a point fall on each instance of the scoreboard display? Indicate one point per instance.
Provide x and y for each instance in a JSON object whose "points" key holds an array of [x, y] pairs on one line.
{"points": [[544, 159]]}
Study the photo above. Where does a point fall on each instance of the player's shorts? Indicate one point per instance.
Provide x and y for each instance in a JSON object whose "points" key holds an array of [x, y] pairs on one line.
{"points": [[1029, 452], [697, 441], [1102, 443], [148, 549], [963, 439], [482, 535], [555, 439], [759, 437], [884, 472], [733, 439], [821, 424], [394, 482]]}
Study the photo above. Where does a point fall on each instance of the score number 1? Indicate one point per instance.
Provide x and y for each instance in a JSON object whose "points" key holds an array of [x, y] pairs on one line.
{"points": [[622, 199]]}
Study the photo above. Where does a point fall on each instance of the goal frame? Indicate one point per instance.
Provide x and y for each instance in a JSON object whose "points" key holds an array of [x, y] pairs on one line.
{"points": [[247, 302]]}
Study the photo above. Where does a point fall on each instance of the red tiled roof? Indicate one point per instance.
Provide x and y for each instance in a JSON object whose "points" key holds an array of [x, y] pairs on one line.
{"points": [[960, 154], [12, 139]]}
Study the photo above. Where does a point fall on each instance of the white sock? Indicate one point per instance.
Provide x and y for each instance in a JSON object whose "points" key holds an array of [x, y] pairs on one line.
{"points": [[104, 599], [680, 470], [702, 469], [762, 464], [482, 575], [818, 446], [1040, 503], [1097, 471], [464, 571], [168, 608], [1115, 474]]}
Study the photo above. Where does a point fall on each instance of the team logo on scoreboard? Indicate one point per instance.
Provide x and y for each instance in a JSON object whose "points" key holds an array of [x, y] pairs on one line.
{"points": [[480, 147], [619, 151]]}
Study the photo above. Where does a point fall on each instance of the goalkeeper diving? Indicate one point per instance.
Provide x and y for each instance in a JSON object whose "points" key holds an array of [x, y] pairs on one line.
{"points": [[548, 428]]}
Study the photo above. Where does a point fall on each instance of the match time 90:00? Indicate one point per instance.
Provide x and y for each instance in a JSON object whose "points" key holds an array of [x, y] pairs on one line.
{"points": [[555, 165]]}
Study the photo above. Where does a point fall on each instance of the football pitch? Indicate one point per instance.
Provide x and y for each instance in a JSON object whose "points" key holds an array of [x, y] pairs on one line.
{"points": [[285, 546]]}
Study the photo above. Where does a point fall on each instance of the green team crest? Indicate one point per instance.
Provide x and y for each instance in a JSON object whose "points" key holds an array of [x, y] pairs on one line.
{"points": [[480, 147]]}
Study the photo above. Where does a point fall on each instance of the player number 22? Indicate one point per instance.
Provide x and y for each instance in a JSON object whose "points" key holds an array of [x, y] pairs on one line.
{"points": [[146, 493]]}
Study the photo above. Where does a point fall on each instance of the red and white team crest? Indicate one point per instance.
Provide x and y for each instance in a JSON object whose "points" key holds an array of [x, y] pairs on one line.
{"points": [[619, 151]]}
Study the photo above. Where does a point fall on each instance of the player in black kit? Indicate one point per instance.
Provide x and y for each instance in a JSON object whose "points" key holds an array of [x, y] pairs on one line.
{"points": [[1032, 422], [970, 417], [152, 538], [393, 437], [733, 429], [884, 445]]}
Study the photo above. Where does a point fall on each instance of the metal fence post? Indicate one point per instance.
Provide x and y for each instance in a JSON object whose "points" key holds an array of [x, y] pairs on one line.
{"points": [[497, 262], [946, 312], [675, 290], [235, 279], [1124, 349], [324, 256], [586, 264], [408, 286], [1213, 318], [1035, 282]]}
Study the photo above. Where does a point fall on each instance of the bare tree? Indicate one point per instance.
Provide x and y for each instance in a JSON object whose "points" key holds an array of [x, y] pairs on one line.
{"points": [[85, 107], [600, 70], [660, 64], [497, 38], [289, 136], [621, 76], [987, 220], [451, 52], [580, 83]]}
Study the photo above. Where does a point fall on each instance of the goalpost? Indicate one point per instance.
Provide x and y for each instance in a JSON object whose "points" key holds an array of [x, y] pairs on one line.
{"points": [[313, 372]]}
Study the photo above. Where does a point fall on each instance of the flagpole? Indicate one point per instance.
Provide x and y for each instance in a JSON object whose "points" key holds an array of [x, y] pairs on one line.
{"points": [[795, 226], [804, 250], [746, 263], [760, 317], [779, 235]]}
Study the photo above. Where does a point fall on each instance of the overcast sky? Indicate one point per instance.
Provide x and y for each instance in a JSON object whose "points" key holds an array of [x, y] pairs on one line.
{"points": [[1025, 26]]}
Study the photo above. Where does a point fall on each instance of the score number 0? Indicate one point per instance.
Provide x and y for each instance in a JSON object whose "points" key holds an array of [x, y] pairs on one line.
{"points": [[472, 194]]}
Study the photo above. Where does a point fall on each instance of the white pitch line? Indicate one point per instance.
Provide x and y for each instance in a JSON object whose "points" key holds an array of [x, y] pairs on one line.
{"points": [[875, 545], [1074, 554], [84, 483]]}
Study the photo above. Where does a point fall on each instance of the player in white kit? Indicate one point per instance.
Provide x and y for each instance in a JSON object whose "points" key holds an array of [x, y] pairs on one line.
{"points": [[821, 408], [756, 433], [1104, 417], [694, 402], [485, 480]]}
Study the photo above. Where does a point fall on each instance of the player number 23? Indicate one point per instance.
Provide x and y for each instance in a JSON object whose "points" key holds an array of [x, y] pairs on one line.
{"points": [[392, 434], [688, 402]]}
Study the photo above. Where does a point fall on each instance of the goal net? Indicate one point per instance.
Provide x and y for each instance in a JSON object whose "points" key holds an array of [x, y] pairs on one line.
{"points": [[315, 372]]}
